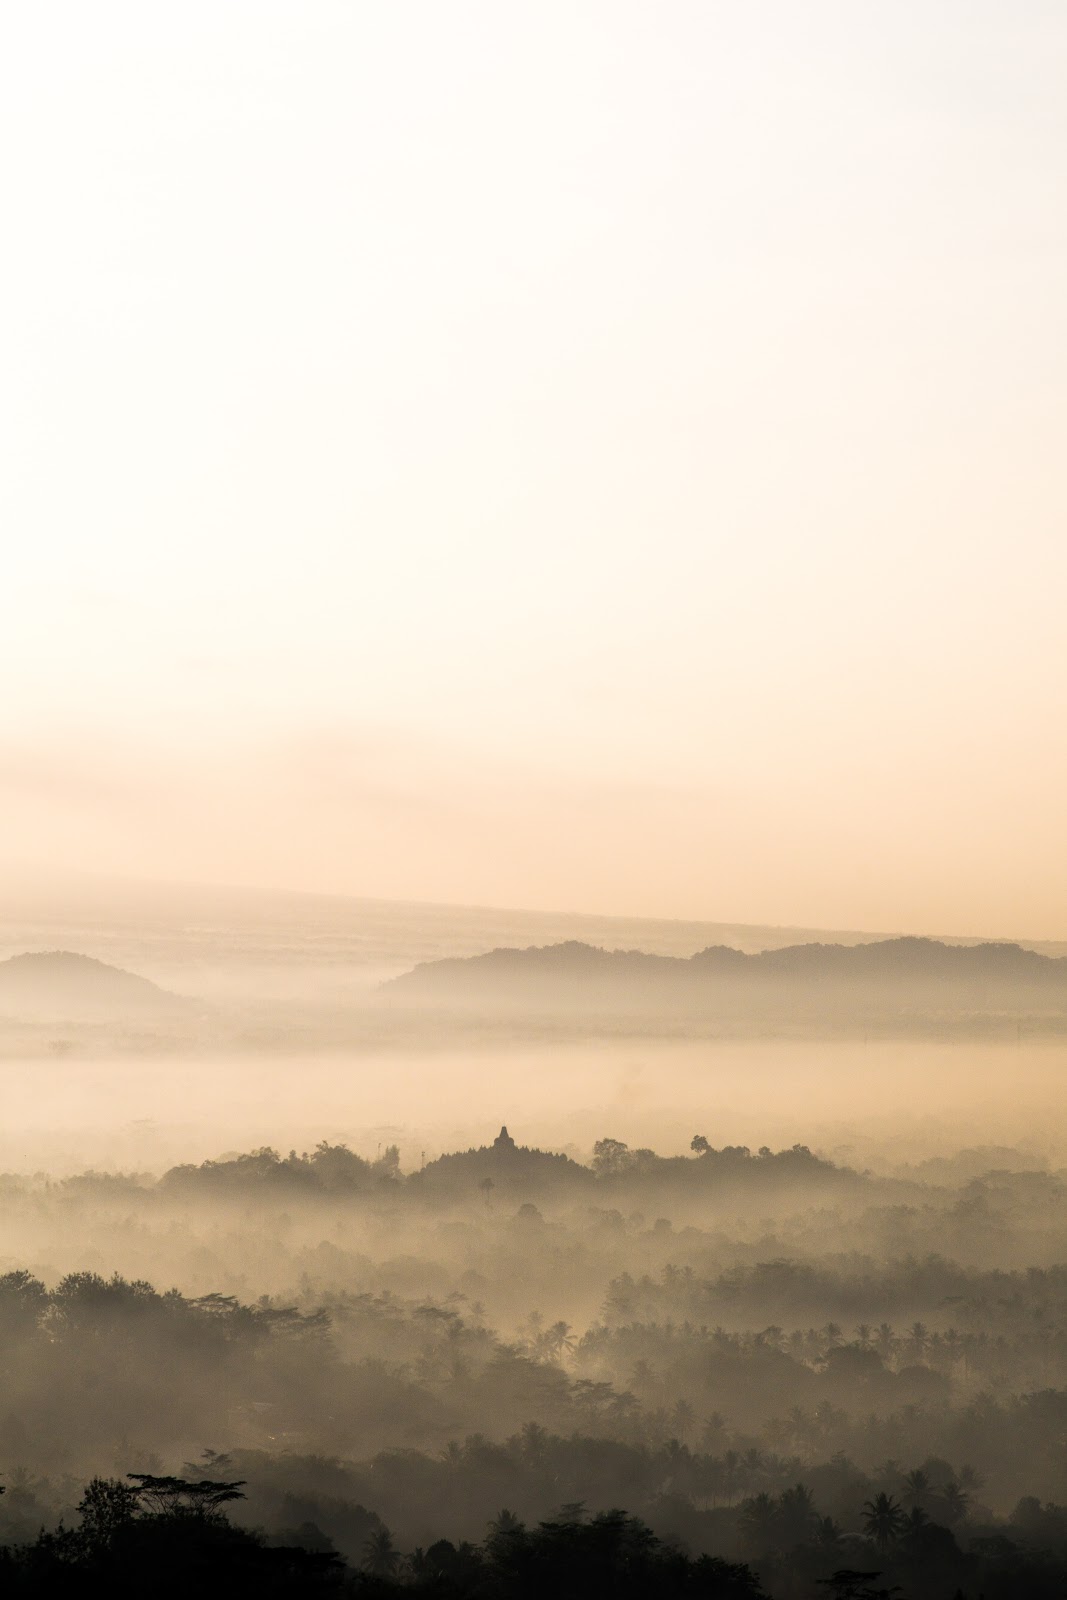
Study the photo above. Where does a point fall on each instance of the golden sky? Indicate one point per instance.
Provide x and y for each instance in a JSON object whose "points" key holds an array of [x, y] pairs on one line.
{"points": [[596, 456]]}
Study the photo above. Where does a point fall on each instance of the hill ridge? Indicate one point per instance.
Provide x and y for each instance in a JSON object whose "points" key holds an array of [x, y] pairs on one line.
{"points": [[889, 976], [62, 980]]}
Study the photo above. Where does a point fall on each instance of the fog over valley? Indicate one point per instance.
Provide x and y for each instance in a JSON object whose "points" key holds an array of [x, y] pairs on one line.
{"points": [[533, 887], [756, 1266]]}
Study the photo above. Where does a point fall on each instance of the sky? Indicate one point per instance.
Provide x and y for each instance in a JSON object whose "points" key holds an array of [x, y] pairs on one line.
{"points": [[596, 456]]}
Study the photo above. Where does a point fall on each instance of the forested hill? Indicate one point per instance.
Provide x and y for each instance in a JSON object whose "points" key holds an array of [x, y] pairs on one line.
{"points": [[885, 978], [64, 983]]}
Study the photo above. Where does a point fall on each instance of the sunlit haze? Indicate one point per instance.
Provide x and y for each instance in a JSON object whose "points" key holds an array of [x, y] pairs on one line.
{"points": [[594, 456], [533, 887]]}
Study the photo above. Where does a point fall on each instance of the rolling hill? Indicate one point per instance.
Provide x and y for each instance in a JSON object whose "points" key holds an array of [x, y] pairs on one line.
{"points": [[49, 985], [885, 979]]}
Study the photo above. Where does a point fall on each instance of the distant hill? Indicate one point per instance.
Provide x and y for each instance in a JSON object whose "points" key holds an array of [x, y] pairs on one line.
{"points": [[60, 984], [906, 977]]}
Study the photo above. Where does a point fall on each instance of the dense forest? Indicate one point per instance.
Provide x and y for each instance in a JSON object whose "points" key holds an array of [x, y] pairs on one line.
{"points": [[735, 1372]]}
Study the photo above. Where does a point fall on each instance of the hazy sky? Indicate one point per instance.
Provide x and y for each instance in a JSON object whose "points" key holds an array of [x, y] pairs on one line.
{"points": [[605, 456]]}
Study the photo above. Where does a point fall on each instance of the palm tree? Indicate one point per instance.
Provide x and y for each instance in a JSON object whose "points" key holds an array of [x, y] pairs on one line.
{"points": [[916, 1487], [642, 1376], [883, 1520], [380, 1555], [705, 1475], [796, 1514], [757, 1518], [559, 1340], [714, 1431], [773, 1337], [683, 1418], [591, 1397], [531, 1332], [827, 1533], [624, 1407], [656, 1424], [955, 1502], [800, 1423], [534, 1441], [970, 1478]]}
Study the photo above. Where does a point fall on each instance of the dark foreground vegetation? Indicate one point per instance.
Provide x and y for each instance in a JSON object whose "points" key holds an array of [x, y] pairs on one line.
{"points": [[163, 1536], [787, 1372], [151, 1534]]}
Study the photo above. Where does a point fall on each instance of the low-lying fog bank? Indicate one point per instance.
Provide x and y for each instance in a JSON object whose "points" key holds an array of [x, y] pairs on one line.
{"points": [[256, 1269], [879, 1104], [691, 1335]]}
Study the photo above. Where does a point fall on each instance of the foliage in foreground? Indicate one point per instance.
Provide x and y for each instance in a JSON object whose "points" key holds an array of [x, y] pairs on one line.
{"points": [[168, 1536]]}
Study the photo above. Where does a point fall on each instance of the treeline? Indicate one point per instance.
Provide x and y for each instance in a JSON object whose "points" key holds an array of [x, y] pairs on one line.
{"points": [[852, 1286], [746, 1350], [334, 1169], [349, 1375], [168, 1535], [164, 1535]]}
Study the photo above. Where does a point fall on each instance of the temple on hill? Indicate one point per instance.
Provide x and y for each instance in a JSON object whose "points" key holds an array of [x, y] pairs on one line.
{"points": [[503, 1141]]}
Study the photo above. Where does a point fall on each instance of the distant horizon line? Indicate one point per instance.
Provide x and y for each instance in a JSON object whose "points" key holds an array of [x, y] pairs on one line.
{"points": [[53, 882]]}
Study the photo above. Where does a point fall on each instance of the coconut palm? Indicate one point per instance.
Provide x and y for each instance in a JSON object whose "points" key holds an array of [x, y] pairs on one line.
{"points": [[558, 1341], [380, 1555], [683, 1419], [773, 1337], [796, 1514], [706, 1477], [970, 1478], [713, 1432], [534, 1442], [883, 1520], [954, 1502], [758, 1517], [826, 1533], [624, 1407], [642, 1376], [801, 1425]]}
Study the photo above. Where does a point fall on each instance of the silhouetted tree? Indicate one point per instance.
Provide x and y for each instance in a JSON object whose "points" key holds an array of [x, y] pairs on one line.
{"points": [[883, 1520], [380, 1555]]}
